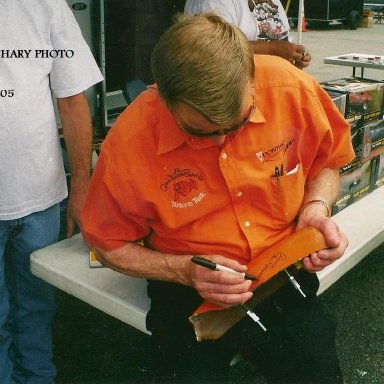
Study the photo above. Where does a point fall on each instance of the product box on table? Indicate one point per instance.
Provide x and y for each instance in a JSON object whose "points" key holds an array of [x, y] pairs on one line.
{"points": [[339, 98], [364, 101], [378, 171], [373, 140], [357, 138], [355, 183]]}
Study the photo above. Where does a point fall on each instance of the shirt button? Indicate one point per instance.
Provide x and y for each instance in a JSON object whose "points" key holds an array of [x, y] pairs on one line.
{"points": [[224, 156], [239, 194], [247, 224]]}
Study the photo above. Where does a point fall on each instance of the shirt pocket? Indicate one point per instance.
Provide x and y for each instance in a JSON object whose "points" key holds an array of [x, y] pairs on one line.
{"points": [[285, 196]]}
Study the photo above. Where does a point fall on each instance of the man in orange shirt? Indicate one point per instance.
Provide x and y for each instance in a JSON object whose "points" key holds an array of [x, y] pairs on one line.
{"points": [[226, 155]]}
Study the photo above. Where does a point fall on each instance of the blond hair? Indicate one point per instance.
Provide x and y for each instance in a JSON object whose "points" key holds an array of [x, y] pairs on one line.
{"points": [[206, 63]]}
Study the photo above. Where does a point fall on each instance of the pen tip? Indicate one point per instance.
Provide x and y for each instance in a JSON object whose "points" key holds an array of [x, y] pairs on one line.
{"points": [[250, 277]]}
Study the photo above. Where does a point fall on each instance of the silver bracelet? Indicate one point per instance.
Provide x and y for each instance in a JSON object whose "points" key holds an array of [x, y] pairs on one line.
{"points": [[310, 202]]}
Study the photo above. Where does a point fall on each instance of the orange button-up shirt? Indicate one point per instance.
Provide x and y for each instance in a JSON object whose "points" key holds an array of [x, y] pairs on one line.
{"points": [[186, 195]]}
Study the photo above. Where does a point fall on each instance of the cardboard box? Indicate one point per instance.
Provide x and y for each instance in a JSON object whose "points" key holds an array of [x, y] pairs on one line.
{"points": [[366, 22], [366, 171], [373, 140], [354, 185], [339, 98], [378, 171], [367, 19], [342, 201], [357, 137], [364, 98], [368, 13], [363, 185], [348, 175]]}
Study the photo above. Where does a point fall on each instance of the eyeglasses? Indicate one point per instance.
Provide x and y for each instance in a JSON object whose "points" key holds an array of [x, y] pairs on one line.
{"points": [[220, 132]]}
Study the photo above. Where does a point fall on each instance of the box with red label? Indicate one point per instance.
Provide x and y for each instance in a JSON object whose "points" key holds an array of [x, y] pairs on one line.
{"points": [[364, 98]]}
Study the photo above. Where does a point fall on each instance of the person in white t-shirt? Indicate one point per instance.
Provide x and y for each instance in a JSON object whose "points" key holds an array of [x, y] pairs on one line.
{"points": [[42, 55], [264, 22]]}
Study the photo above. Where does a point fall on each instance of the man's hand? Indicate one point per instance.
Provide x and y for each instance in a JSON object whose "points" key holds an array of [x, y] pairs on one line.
{"points": [[304, 61], [222, 288], [336, 240], [294, 53]]}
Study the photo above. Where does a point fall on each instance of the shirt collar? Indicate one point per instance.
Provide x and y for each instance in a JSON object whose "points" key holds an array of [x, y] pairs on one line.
{"points": [[257, 117], [171, 137]]}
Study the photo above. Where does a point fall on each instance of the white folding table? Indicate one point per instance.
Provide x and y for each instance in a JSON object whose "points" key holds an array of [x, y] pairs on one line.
{"points": [[66, 264], [357, 60]]}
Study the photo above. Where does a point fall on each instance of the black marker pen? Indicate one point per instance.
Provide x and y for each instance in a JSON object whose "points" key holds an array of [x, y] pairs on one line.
{"points": [[217, 267]]}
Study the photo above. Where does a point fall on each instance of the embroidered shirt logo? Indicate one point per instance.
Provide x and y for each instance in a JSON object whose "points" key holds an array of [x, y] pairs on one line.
{"points": [[183, 188], [184, 183], [271, 153]]}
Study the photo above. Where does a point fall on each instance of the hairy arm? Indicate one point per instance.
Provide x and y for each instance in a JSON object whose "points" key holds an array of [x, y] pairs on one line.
{"points": [[222, 288], [294, 53], [77, 130], [324, 187]]}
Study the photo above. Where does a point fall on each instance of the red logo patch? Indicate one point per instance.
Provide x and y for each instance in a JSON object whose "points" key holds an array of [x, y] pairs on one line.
{"points": [[183, 188]]}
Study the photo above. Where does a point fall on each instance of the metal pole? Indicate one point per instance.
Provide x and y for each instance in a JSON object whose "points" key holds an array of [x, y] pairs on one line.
{"points": [[300, 20]]}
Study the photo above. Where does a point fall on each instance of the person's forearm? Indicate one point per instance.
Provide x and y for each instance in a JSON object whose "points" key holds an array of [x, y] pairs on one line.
{"points": [[219, 287], [135, 260], [261, 47], [77, 131], [324, 188], [294, 53]]}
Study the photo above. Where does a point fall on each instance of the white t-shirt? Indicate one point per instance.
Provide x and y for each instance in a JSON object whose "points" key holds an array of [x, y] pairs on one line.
{"points": [[268, 19], [31, 167]]}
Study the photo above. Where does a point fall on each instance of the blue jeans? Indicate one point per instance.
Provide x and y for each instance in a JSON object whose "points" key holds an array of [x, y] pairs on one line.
{"points": [[27, 303]]}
